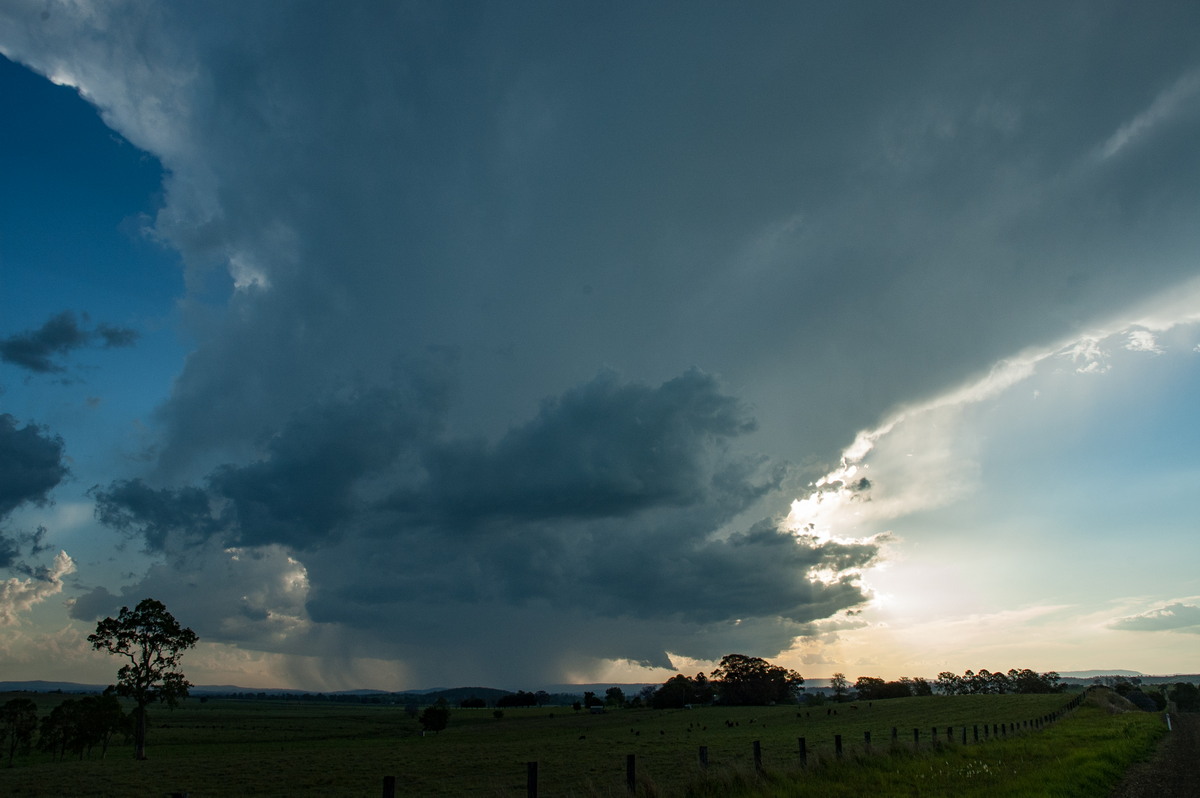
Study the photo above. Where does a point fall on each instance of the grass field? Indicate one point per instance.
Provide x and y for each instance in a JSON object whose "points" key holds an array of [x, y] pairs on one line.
{"points": [[224, 747]]}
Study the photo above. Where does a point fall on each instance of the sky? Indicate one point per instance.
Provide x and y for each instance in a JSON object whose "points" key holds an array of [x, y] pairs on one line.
{"points": [[402, 344]]}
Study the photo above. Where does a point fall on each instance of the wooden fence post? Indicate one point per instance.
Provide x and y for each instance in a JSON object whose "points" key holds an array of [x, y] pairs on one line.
{"points": [[531, 779], [867, 741], [837, 745], [964, 734], [758, 768], [704, 757], [976, 728], [916, 738], [389, 787], [631, 772], [895, 735], [803, 752]]}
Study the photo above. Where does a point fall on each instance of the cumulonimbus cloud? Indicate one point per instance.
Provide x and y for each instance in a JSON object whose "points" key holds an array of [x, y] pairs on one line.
{"points": [[612, 506]]}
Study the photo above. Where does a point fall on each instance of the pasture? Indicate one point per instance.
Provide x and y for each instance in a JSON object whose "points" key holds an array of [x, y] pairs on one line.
{"points": [[239, 747]]}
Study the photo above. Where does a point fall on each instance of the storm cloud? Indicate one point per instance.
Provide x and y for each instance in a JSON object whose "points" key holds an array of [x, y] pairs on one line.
{"points": [[615, 505], [31, 466], [539, 315]]}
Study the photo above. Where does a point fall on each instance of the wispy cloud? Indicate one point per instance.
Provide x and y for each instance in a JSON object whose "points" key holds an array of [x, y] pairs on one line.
{"points": [[1164, 107]]}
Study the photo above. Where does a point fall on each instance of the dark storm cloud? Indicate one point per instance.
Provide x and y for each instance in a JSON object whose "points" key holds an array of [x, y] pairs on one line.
{"points": [[155, 514], [36, 350], [604, 449], [838, 208], [31, 465], [611, 503]]}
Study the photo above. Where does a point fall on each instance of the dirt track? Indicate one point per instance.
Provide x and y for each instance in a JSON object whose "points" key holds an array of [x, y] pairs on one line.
{"points": [[1174, 772]]}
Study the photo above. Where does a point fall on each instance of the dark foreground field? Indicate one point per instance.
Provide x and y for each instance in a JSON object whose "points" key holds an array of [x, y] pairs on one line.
{"points": [[225, 748]]}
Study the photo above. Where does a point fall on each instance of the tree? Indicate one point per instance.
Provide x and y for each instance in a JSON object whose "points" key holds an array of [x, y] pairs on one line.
{"points": [[872, 688], [153, 641], [918, 685], [102, 718], [1185, 695], [743, 680], [949, 683], [614, 697], [18, 722], [840, 686], [681, 690], [434, 718]]}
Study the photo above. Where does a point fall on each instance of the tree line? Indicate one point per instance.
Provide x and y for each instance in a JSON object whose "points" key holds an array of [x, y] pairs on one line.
{"points": [[999, 683], [76, 726]]}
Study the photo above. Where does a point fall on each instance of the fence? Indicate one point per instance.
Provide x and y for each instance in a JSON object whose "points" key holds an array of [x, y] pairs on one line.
{"points": [[974, 734]]}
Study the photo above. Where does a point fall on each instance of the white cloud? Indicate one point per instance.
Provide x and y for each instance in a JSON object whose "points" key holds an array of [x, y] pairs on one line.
{"points": [[1143, 341], [19, 595], [1177, 616]]}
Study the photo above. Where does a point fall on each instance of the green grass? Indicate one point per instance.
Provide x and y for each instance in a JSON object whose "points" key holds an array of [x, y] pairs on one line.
{"points": [[1082, 756], [291, 748]]}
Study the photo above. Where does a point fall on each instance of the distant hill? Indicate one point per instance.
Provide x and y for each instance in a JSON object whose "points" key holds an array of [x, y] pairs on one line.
{"points": [[1094, 674], [38, 686]]}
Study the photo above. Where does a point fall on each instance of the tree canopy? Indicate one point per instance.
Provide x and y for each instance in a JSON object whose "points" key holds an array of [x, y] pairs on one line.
{"points": [[153, 642], [998, 682], [680, 690], [740, 679]]}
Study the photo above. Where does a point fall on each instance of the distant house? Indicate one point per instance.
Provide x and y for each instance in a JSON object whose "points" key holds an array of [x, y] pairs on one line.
{"points": [[596, 710]]}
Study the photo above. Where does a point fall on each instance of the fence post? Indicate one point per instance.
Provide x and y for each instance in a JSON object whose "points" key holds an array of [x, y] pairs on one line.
{"points": [[389, 787], [976, 730], [758, 768], [949, 734], [704, 756], [895, 735], [531, 779], [837, 745], [804, 752], [916, 738], [631, 772], [964, 734], [867, 741]]}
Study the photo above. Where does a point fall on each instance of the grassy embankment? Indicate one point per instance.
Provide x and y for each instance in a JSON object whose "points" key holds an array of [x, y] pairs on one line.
{"points": [[291, 748]]}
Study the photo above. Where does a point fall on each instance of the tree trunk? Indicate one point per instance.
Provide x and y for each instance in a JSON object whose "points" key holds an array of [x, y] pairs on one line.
{"points": [[139, 733]]}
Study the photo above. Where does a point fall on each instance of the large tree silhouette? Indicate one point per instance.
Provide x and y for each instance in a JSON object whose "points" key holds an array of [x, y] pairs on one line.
{"points": [[153, 641], [740, 679]]}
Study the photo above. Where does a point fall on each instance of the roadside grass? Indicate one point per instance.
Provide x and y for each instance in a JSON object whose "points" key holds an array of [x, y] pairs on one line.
{"points": [[225, 747], [1084, 755]]}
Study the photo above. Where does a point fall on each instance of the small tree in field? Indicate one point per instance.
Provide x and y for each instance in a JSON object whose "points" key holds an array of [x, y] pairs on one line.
{"points": [[153, 641], [434, 718]]}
